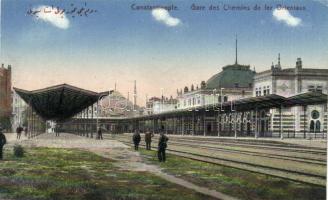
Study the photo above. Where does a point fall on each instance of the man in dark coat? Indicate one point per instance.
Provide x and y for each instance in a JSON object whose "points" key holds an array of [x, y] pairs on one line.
{"points": [[162, 145], [136, 139], [19, 131], [100, 137], [148, 137], [3, 141]]}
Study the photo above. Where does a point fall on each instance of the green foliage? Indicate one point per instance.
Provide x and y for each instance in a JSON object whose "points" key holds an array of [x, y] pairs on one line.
{"points": [[18, 151]]}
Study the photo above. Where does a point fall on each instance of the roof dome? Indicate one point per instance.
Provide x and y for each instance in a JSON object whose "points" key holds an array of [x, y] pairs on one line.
{"points": [[232, 76]]}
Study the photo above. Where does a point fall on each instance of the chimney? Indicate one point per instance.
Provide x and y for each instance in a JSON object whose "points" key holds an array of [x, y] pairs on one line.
{"points": [[299, 63]]}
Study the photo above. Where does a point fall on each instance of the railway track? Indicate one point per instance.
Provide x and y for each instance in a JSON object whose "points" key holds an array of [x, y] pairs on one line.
{"points": [[279, 153], [250, 142], [302, 177], [252, 153], [299, 149]]}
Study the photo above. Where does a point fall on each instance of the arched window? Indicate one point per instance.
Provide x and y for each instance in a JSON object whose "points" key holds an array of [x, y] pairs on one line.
{"points": [[312, 126], [317, 126], [248, 116]]}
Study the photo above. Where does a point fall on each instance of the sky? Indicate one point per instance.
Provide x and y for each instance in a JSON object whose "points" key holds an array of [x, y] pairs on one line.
{"points": [[162, 50]]}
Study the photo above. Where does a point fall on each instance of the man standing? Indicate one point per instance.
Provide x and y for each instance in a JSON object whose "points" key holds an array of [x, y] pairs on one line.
{"points": [[148, 137], [56, 129], [100, 137], [162, 145], [19, 131], [136, 139], [3, 141]]}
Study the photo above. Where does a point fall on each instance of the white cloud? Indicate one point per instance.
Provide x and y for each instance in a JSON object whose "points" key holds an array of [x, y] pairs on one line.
{"points": [[163, 16], [284, 16], [53, 16]]}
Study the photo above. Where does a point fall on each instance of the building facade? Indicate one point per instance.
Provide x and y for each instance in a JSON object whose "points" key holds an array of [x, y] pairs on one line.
{"points": [[290, 82], [19, 115], [164, 105], [5, 96]]}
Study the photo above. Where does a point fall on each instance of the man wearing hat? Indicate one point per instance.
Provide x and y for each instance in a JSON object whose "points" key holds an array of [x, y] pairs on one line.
{"points": [[3, 141], [162, 145]]}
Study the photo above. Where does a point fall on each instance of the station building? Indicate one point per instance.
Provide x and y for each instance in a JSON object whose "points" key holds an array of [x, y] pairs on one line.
{"points": [[289, 82]]}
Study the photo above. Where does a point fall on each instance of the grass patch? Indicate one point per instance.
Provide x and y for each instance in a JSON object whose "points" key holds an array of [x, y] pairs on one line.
{"points": [[58, 174], [239, 183]]}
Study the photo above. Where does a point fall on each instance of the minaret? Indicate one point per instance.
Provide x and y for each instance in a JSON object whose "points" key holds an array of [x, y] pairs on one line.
{"points": [[115, 86], [135, 94], [236, 51], [278, 65]]}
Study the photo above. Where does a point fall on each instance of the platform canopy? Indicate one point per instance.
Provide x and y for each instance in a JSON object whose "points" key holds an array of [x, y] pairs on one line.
{"points": [[252, 104], [59, 102], [308, 98]]}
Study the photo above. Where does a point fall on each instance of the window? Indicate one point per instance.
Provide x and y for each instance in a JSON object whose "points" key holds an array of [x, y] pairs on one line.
{"points": [[315, 114], [257, 93], [267, 90], [311, 88], [317, 127], [319, 88], [264, 92], [225, 98]]}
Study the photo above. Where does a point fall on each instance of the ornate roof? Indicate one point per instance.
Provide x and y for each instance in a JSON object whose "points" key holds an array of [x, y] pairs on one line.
{"points": [[232, 76]]}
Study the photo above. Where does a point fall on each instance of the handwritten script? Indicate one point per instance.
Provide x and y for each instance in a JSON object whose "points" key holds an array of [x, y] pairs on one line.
{"points": [[72, 11]]}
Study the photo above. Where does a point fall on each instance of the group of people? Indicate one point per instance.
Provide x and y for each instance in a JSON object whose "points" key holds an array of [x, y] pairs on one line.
{"points": [[162, 143], [19, 131]]}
